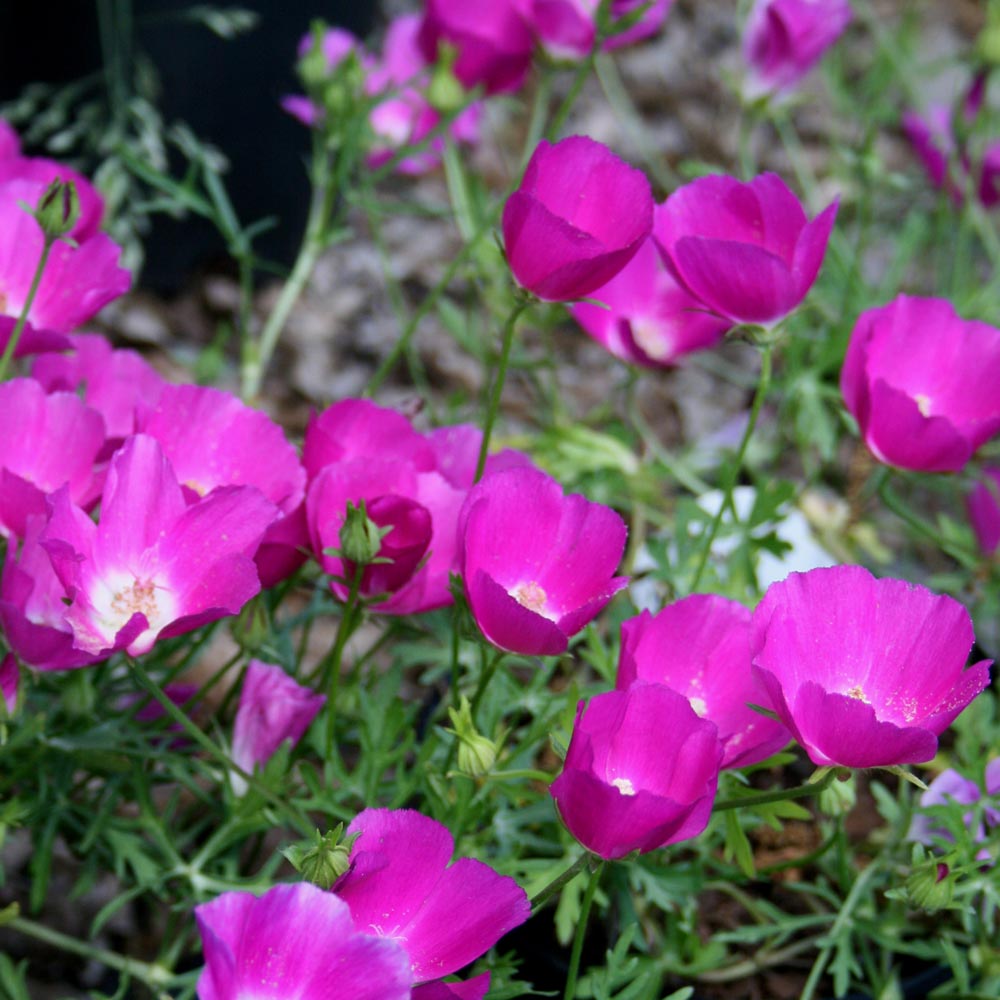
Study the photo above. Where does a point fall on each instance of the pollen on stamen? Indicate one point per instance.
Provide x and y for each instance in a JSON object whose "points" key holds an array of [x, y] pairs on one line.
{"points": [[530, 595], [857, 693], [923, 403], [624, 786]]}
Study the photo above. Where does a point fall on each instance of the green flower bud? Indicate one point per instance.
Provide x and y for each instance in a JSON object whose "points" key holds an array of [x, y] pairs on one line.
{"points": [[324, 861], [476, 753], [251, 625], [988, 41], [360, 536], [838, 798], [445, 92], [931, 885], [58, 209]]}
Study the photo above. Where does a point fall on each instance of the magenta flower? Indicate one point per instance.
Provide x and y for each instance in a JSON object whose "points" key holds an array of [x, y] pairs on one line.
{"points": [[77, 282], [921, 383], [9, 680], [578, 217], [273, 708], [983, 504], [493, 42], [113, 382], [950, 786], [403, 885], [411, 483], [652, 321], [33, 606], [294, 941], [624, 787], [48, 442], [784, 39], [10, 144], [153, 567], [700, 647], [213, 439], [567, 28], [864, 672], [403, 116], [744, 250], [538, 565]]}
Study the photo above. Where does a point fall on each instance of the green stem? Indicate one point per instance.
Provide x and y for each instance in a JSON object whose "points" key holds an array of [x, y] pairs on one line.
{"points": [[156, 977], [733, 471], [330, 678], [198, 737], [544, 894], [15, 335], [581, 930], [507, 342], [780, 795], [257, 356], [844, 917], [583, 70]]}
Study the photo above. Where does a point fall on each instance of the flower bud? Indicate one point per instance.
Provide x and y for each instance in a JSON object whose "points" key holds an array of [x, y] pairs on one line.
{"points": [[930, 886], [360, 537], [476, 753], [252, 625], [323, 862], [445, 92], [838, 798], [58, 209]]}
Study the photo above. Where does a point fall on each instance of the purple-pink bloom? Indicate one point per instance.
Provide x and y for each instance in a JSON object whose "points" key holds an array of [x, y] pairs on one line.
{"points": [[983, 504], [746, 251], [273, 708], [948, 786], [33, 606], [863, 672], [784, 39], [48, 441], [625, 787], [154, 566], [9, 680], [114, 382], [77, 282], [578, 217], [493, 42], [922, 383], [402, 884], [567, 29], [648, 24], [651, 320], [538, 565], [414, 484], [471, 989], [214, 439], [294, 941], [700, 647]]}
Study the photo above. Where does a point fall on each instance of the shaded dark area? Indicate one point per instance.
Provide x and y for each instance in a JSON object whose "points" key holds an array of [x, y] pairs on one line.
{"points": [[227, 91]]}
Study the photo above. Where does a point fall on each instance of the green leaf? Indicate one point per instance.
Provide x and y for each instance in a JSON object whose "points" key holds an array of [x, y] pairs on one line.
{"points": [[738, 845]]}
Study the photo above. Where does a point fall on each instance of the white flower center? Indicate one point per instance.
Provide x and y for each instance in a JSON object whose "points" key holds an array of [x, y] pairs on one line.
{"points": [[923, 403], [624, 786], [529, 595]]}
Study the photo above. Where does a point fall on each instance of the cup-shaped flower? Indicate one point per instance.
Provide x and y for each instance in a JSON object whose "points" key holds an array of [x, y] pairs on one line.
{"points": [[492, 43], [784, 39], [567, 29], [412, 484], [538, 565], [78, 279], [922, 383], [401, 884], [578, 217], [700, 647], [863, 672], [983, 504], [746, 251], [294, 941], [273, 708], [154, 566], [48, 441], [624, 787], [650, 320]]}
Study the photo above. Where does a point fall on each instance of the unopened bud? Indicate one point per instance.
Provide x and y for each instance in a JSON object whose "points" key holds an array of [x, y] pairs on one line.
{"points": [[252, 625], [360, 537], [58, 209], [324, 861], [446, 92], [476, 753], [838, 798], [931, 885]]}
